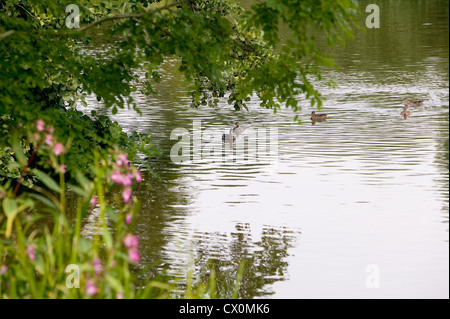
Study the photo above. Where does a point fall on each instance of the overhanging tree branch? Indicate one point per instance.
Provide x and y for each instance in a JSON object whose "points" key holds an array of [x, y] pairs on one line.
{"points": [[110, 18], [131, 15]]}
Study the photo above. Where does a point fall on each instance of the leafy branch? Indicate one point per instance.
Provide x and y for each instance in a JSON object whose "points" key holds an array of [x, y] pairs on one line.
{"points": [[99, 21], [131, 15]]}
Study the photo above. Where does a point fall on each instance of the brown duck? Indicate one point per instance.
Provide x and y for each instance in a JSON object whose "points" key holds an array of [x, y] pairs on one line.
{"points": [[412, 103], [318, 117], [405, 113]]}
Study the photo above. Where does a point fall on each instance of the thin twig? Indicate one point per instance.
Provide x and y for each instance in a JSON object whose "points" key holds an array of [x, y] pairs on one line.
{"points": [[116, 17], [31, 15], [5, 34]]}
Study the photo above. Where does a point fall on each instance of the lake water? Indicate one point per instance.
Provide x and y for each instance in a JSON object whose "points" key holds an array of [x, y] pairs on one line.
{"points": [[355, 207]]}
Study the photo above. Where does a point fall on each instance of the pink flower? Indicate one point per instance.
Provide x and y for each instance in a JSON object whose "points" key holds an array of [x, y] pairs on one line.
{"points": [[58, 149], [117, 177], [62, 169], [120, 295], [97, 266], [122, 160], [40, 125], [3, 269], [49, 140], [91, 289], [127, 180], [129, 218], [50, 129], [131, 241], [138, 176], [29, 251], [126, 195], [93, 201], [133, 254]]}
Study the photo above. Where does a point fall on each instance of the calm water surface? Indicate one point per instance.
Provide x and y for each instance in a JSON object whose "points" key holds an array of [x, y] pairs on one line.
{"points": [[365, 190]]}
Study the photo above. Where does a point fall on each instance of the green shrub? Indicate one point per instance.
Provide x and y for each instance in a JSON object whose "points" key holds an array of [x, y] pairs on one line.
{"points": [[42, 258]]}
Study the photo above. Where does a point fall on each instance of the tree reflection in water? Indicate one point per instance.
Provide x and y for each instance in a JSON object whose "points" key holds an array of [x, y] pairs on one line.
{"points": [[264, 262]]}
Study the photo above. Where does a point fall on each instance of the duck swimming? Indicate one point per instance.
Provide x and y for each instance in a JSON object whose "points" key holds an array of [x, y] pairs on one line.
{"points": [[230, 137], [234, 132], [406, 113], [412, 103], [237, 129], [318, 117]]}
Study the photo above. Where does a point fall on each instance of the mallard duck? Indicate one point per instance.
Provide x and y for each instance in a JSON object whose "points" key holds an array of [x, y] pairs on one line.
{"points": [[412, 103], [237, 129], [318, 117]]}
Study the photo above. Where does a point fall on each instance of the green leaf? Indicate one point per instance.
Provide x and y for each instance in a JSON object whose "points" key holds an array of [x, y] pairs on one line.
{"points": [[47, 180], [9, 206], [107, 237], [84, 245], [78, 190], [18, 151], [114, 283], [82, 180], [11, 210], [160, 285], [43, 200], [112, 214]]}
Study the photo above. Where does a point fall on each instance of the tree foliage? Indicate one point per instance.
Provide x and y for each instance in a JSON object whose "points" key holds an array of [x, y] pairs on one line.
{"points": [[224, 53]]}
